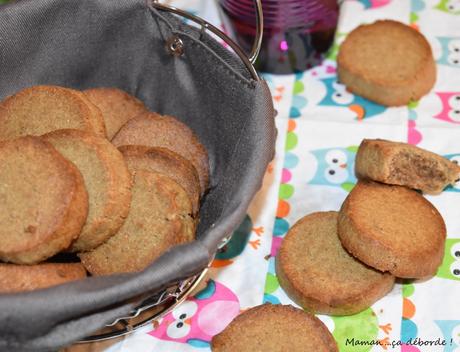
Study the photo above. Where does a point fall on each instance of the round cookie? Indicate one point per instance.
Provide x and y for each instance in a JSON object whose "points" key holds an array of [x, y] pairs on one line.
{"points": [[159, 219], [168, 163], [318, 274], [274, 328], [18, 278], [41, 109], [153, 130], [107, 180], [43, 201], [387, 62], [392, 228], [116, 105], [97, 120]]}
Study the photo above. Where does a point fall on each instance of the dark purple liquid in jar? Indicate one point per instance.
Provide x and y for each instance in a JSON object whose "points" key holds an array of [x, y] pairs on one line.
{"points": [[297, 33]]}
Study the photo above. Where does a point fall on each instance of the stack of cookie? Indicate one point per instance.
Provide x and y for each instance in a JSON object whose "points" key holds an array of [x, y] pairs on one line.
{"points": [[340, 263], [96, 174]]}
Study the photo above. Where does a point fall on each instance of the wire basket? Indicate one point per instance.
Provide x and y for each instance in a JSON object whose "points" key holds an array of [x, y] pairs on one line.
{"points": [[82, 44]]}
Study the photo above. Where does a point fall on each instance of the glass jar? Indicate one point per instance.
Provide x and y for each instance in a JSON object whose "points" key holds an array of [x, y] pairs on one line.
{"points": [[297, 33]]}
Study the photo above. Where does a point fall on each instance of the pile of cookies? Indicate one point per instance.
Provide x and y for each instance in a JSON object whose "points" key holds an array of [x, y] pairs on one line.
{"points": [[340, 263], [96, 174]]}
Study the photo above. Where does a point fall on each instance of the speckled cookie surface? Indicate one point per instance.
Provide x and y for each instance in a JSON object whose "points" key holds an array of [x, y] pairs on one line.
{"points": [[19, 278], [107, 180], [41, 109], [159, 218], [320, 275], [405, 165], [117, 107], [43, 204], [392, 228], [387, 62], [168, 163], [274, 328], [153, 130]]}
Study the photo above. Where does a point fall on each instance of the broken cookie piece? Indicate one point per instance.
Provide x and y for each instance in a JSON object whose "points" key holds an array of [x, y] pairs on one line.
{"points": [[405, 165]]}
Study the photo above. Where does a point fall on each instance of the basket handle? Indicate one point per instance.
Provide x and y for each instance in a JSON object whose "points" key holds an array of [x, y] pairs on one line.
{"points": [[248, 61]]}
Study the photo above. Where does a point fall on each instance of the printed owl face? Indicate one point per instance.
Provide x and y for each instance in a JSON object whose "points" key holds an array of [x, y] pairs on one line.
{"points": [[335, 167], [451, 331], [180, 326], [450, 107], [194, 321], [450, 51], [337, 95], [449, 6], [450, 267], [456, 159]]}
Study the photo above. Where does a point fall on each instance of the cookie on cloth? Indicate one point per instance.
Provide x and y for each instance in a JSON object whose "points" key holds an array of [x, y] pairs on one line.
{"points": [[320, 275], [168, 163], [107, 180], [116, 105], [392, 228], [154, 130], [275, 327], [159, 218], [405, 165], [387, 62], [41, 109], [18, 278], [43, 201]]}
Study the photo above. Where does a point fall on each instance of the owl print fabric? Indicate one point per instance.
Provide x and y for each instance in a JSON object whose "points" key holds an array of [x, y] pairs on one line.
{"points": [[320, 126]]}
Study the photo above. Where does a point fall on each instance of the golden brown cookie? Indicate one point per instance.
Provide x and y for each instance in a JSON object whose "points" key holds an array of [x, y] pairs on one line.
{"points": [[116, 105], [168, 163], [153, 130], [405, 165], [43, 201], [41, 109], [387, 62], [107, 180], [97, 120], [159, 218], [18, 278], [318, 273], [274, 328], [392, 228]]}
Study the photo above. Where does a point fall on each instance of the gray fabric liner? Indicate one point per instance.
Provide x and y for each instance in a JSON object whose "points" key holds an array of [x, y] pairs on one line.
{"points": [[121, 43]]}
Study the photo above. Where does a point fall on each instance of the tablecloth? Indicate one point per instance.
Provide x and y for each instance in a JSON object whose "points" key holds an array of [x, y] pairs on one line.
{"points": [[315, 125]]}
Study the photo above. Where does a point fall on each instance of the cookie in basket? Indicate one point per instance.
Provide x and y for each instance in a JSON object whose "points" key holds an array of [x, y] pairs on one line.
{"points": [[159, 218], [392, 228], [43, 201], [318, 273], [275, 327], [154, 130], [168, 163], [41, 109], [116, 105], [107, 180], [405, 165], [18, 278], [387, 62]]}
